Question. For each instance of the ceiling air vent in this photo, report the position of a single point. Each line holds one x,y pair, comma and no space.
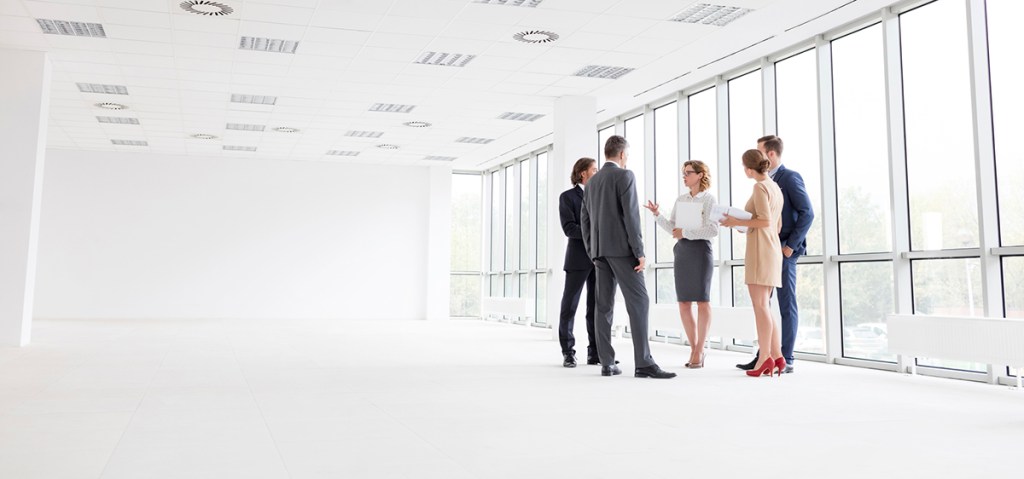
387,146
204,136
268,45
444,59
475,141
238,148
601,71
511,3
417,124
440,158
130,142
392,108
245,127
342,153
206,7
75,29
118,120
98,88
519,116
536,36
112,106
707,14
364,134
286,129
254,99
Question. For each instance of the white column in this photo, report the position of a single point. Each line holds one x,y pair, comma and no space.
439,243
575,135
25,96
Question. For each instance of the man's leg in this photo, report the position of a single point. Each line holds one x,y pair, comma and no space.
787,307
574,281
634,291
605,304
591,300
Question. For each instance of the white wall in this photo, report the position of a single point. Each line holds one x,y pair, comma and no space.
134,235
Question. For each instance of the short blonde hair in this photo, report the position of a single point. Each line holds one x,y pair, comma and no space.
700,167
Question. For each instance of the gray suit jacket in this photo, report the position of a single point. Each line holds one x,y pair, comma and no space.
610,216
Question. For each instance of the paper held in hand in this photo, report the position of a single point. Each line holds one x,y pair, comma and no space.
717,212
689,216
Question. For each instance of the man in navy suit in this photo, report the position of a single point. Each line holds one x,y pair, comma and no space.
579,268
797,216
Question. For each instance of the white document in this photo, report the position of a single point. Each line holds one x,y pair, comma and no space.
689,215
718,212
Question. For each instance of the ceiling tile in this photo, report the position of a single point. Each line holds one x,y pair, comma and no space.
134,18
263,12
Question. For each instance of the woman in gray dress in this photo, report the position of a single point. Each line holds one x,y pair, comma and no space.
694,263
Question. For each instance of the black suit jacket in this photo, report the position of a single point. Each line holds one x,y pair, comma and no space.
569,204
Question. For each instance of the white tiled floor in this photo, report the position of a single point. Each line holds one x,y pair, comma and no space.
462,399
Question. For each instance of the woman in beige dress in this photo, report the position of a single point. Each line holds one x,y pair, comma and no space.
763,260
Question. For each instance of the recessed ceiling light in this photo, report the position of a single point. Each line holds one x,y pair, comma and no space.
392,108
130,142
238,148
387,146
268,44
112,106
342,153
98,88
245,127
286,129
364,134
475,141
117,120
206,7
254,99
536,36
417,124
204,136
440,158
601,71
75,29
708,14
511,3
444,59
510,115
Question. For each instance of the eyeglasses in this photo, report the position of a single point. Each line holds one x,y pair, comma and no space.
689,172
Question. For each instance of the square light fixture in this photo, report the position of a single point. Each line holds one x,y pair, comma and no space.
342,153
245,127
444,59
130,142
253,99
392,108
117,120
260,44
75,29
602,71
709,14
238,148
440,158
364,134
98,88
510,115
475,141
511,3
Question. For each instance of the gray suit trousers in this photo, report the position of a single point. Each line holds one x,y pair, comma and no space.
612,271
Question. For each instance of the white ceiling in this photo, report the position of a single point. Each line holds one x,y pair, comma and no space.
181,69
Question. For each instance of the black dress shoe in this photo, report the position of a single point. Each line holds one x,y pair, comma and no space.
569,360
653,371
748,366
592,361
612,370
789,369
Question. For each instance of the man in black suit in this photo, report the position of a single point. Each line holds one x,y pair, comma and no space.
610,223
579,269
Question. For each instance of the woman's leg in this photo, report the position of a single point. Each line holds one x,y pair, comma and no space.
690,327
759,295
703,323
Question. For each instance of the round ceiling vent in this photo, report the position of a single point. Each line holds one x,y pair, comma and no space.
112,106
206,7
387,146
204,136
536,36
417,124
286,129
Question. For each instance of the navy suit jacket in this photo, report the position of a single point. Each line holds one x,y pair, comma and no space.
569,205
797,213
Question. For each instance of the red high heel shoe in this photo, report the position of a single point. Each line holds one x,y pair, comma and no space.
780,365
765,369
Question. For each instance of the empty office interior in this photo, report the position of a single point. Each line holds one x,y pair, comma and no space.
321,238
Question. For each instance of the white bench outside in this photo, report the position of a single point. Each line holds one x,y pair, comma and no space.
994,341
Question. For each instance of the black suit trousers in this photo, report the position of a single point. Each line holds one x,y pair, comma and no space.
574,282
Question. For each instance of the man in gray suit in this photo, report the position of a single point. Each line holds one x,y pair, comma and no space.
610,223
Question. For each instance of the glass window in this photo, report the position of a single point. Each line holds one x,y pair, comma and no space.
665,285
862,154
633,131
1013,286
524,215
666,170
1007,103
465,295
542,210
602,137
810,301
939,129
703,141
796,81
497,231
542,299
746,125
866,297
948,287
510,220
741,298
467,226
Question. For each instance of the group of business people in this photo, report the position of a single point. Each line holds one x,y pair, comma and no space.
601,217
